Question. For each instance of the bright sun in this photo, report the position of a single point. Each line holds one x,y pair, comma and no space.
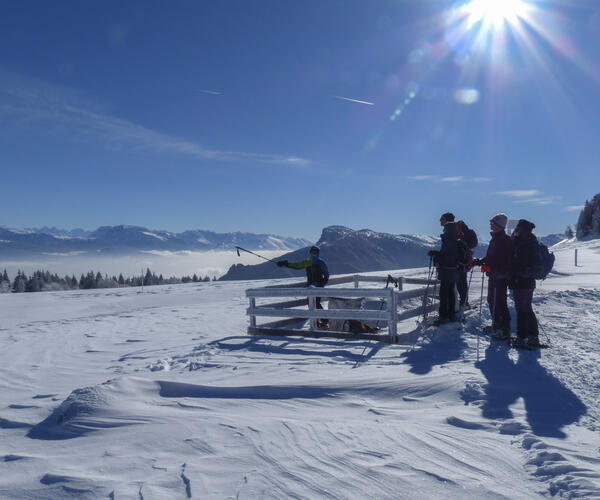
495,12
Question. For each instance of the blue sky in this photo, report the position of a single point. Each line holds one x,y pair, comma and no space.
287,116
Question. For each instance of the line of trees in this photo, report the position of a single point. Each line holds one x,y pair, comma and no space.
44,281
588,223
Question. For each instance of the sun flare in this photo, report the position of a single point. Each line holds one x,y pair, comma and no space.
495,12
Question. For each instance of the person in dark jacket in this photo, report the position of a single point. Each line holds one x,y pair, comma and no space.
498,259
446,261
317,274
464,265
523,282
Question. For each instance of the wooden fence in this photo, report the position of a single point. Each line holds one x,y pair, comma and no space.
295,314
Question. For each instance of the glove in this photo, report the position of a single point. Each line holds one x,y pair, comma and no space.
433,253
282,263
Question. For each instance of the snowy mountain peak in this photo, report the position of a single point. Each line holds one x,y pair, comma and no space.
128,238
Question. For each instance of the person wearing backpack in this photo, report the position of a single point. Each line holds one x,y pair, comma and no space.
446,261
523,282
317,275
498,259
467,240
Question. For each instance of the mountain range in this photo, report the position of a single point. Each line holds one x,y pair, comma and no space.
349,251
127,239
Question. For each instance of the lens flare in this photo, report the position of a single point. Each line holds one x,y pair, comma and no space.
495,12
466,96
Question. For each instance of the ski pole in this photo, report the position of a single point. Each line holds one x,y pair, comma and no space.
387,283
427,289
244,250
544,332
469,284
481,298
480,304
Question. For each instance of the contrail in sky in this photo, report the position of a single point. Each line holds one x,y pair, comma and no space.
213,92
353,100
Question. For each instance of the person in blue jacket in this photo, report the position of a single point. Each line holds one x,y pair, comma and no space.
317,273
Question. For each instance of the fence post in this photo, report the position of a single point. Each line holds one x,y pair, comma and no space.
575,257
400,284
312,306
355,277
252,316
393,312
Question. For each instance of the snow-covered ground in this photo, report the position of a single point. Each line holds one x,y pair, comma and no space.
159,393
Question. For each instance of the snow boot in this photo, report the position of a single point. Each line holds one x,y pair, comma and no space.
501,334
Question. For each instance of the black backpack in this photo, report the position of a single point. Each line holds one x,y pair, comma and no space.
465,233
466,240
544,261
465,254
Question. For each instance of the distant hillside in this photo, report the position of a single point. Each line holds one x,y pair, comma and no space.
126,239
551,239
348,251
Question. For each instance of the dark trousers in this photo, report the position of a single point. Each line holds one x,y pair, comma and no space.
462,286
527,325
497,302
448,278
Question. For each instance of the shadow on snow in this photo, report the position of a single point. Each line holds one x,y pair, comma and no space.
445,346
301,347
548,403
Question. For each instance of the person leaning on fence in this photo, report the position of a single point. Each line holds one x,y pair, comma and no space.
317,274
498,259
446,261
523,282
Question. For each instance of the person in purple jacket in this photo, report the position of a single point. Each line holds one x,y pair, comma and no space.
499,259
523,282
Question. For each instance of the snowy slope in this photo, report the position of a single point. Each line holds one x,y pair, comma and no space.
160,394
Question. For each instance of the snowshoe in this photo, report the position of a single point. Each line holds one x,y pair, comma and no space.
528,343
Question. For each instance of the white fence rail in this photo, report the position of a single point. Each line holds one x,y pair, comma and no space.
388,313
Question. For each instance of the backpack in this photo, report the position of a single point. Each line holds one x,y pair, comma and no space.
544,262
466,240
465,255
465,233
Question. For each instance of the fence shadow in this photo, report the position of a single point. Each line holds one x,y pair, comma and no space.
301,346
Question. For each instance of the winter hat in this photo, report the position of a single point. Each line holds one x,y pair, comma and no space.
525,225
449,216
500,220
314,249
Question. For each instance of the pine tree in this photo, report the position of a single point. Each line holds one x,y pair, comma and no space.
569,232
584,222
